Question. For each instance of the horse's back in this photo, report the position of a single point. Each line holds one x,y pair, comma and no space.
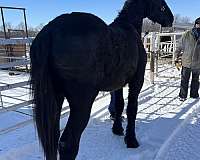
76,23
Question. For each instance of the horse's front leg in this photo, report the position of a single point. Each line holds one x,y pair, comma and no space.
132,107
135,87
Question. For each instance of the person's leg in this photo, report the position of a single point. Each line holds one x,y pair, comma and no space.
194,84
185,76
119,107
119,100
111,107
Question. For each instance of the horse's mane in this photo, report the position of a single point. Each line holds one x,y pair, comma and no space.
126,9
129,14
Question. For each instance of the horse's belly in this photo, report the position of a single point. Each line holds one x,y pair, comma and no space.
110,85
117,78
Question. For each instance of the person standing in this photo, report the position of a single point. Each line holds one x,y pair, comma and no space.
189,51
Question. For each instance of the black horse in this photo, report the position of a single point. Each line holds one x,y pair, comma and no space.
77,55
117,101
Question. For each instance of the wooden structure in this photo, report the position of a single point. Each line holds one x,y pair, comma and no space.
9,51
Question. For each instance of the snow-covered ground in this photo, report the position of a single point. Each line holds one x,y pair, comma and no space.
167,129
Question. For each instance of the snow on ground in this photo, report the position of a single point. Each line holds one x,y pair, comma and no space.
183,144
167,129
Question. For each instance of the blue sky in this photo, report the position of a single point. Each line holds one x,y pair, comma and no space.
42,11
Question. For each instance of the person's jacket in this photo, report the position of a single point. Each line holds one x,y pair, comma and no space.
190,48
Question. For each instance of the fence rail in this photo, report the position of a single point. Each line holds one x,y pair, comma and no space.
4,41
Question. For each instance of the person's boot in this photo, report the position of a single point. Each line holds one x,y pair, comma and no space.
117,127
195,96
182,99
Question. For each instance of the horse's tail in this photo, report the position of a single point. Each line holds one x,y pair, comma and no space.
46,111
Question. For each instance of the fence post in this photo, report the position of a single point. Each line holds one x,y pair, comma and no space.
174,47
1,100
152,57
152,67
157,51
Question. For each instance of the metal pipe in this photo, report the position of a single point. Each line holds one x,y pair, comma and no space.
13,8
26,27
4,26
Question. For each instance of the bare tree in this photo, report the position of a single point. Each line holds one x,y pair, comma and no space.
1,28
186,19
20,26
8,25
179,19
39,27
32,31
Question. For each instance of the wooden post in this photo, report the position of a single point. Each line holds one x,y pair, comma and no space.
25,23
152,67
174,47
157,51
156,61
152,57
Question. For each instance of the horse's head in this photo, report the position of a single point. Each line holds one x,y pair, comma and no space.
159,12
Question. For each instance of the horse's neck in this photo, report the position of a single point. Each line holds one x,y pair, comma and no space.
130,15
138,26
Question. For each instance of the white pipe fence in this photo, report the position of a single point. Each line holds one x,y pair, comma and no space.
158,49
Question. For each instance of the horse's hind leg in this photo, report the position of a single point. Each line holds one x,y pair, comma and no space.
80,98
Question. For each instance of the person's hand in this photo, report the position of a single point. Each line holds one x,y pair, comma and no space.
177,63
198,41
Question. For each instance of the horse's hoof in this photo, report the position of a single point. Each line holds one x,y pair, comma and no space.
117,129
131,142
64,152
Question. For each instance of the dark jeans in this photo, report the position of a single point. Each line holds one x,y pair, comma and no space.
185,77
111,107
